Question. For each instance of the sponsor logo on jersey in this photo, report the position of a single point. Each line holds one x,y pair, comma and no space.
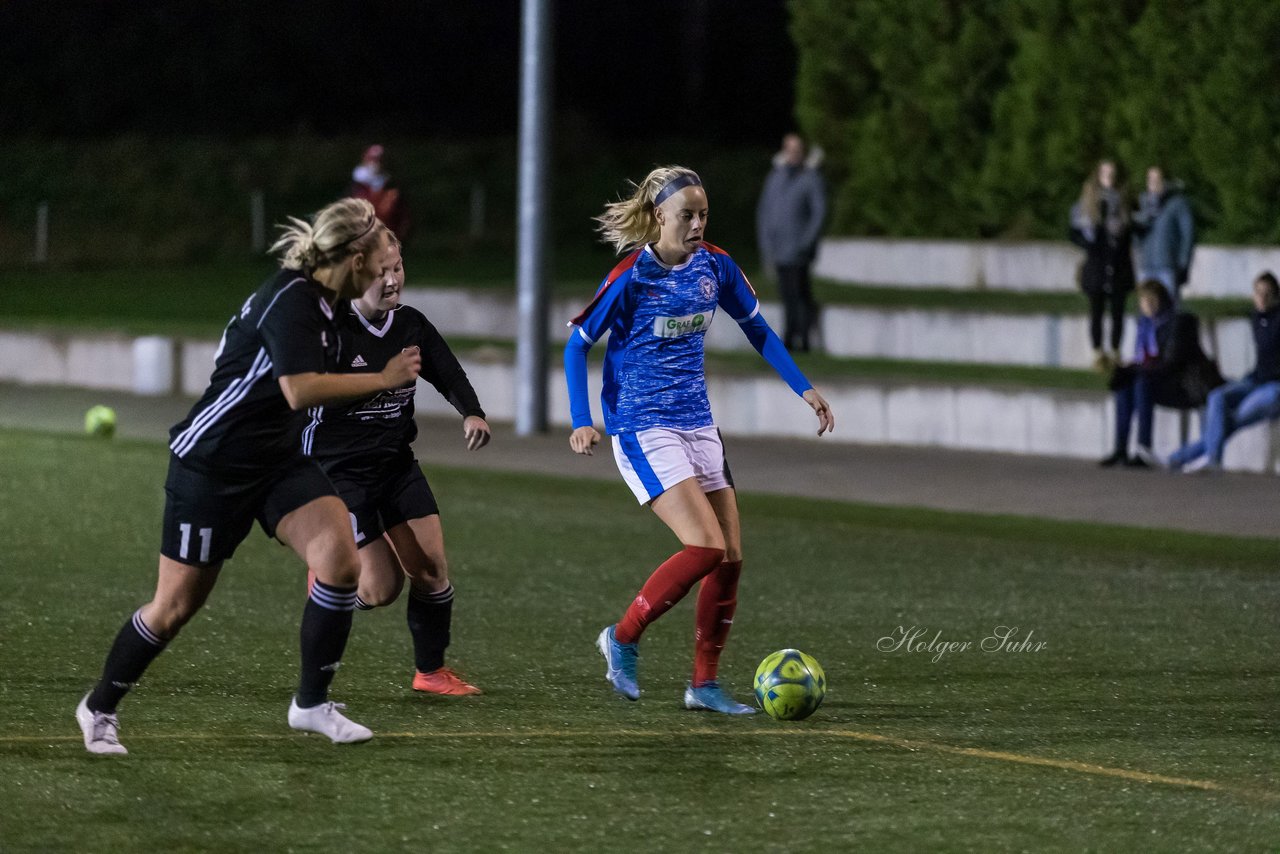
674,327
359,362
385,404
247,307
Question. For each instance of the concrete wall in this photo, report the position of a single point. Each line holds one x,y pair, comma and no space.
944,336
1043,340
961,417
1024,266
970,417
120,363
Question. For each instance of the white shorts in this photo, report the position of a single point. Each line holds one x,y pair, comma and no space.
654,460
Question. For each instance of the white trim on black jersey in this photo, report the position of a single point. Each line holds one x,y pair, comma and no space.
271,304
235,392
309,432
374,330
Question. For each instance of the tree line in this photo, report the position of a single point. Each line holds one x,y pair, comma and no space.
981,118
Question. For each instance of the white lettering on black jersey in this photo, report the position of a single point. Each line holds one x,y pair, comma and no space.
381,427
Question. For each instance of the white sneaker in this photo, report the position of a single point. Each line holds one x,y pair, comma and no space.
1201,465
101,731
327,720
1149,457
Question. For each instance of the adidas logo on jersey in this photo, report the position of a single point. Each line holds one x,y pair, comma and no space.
359,362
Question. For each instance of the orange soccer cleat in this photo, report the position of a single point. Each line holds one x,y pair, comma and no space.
443,681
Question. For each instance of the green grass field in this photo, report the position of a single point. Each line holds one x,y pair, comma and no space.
1147,722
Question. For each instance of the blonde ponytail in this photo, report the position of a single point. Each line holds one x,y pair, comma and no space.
338,230
630,222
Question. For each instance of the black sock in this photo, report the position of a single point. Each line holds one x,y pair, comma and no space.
326,622
429,616
135,647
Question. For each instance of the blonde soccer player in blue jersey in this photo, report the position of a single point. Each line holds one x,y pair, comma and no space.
656,307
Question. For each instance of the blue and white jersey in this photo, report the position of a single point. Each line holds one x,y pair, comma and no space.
657,319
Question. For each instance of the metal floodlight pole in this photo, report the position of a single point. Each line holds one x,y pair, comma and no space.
42,233
531,289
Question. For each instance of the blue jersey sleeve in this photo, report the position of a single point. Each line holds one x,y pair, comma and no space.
739,301
586,329
575,375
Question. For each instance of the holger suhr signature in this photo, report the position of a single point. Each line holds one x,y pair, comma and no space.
918,639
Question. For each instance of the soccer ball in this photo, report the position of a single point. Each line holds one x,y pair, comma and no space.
100,421
790,685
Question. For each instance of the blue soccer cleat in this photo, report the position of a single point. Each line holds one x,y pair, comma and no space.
620,661
710,697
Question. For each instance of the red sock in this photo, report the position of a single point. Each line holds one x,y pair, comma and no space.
717,600
667,586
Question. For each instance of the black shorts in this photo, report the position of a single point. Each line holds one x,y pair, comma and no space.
378,500
207,516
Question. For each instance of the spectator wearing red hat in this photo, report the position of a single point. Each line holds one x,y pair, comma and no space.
370,181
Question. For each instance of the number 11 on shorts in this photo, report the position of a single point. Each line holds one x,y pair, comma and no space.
206,536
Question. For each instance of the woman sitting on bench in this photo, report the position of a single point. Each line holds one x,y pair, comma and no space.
1169,369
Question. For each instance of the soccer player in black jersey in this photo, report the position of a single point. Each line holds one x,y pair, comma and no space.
365,448
237,457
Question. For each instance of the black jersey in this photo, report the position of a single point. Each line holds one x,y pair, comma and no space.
243,424
381,428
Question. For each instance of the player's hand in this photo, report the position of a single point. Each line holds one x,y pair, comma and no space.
403,368
826,420
583,440
476,431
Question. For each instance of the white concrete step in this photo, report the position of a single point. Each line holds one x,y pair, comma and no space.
1043,265
964,416
1044,340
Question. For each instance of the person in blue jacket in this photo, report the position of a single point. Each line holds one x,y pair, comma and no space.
1166,232
656,307
1252,398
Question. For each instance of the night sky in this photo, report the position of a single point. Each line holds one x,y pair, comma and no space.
720,69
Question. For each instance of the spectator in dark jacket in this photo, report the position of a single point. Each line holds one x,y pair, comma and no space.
1254,397
789,219
1169,369
1100,226
1166,233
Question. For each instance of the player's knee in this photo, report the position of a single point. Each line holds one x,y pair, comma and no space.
711,555
338,566
380,592
710,539
166,617
432,572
